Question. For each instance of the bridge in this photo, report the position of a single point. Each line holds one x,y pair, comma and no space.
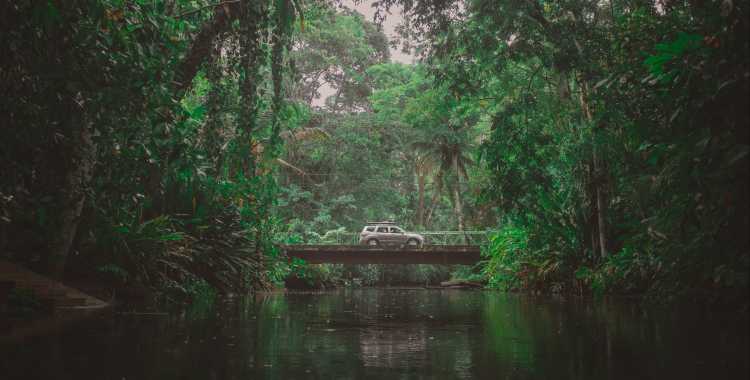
440,248
362,254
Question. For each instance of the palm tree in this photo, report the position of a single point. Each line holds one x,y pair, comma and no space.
422,169
447,153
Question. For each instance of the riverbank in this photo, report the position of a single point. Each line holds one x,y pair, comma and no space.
32,304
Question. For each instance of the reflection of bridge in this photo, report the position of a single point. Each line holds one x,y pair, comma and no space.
362,254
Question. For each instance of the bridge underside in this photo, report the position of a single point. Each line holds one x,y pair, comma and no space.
360,254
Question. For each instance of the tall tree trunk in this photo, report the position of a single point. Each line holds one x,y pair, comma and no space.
431,211
598,173
600,208
213,134
438,181
420,198
251,61
251,28
457,205
420,169
202,44
81,156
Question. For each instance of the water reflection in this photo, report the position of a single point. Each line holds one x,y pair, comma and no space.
380,333
393,348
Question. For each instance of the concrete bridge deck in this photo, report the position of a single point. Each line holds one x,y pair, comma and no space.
362,254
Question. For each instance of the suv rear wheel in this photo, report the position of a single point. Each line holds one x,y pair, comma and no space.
373,242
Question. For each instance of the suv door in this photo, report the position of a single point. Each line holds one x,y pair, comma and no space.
398,235
381,233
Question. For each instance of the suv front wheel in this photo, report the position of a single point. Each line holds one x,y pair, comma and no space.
412,243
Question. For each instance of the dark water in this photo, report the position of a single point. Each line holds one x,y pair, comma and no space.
393,334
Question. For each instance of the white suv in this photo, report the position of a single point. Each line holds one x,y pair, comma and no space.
388,233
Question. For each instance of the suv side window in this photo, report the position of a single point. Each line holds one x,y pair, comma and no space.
383,229
396,230
370,229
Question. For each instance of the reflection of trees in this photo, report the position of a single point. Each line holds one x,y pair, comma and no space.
395,334
458,334
528,337
508,342
534,337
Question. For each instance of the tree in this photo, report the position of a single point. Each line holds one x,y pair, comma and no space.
596,115
334,51
115,129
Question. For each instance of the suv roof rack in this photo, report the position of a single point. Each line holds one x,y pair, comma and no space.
383,222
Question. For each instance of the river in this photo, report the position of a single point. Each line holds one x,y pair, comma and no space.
393,334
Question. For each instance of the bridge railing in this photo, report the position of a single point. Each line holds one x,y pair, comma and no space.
455,237
431,238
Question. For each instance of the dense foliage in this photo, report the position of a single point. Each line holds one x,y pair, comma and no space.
618,148
133,138
170,143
